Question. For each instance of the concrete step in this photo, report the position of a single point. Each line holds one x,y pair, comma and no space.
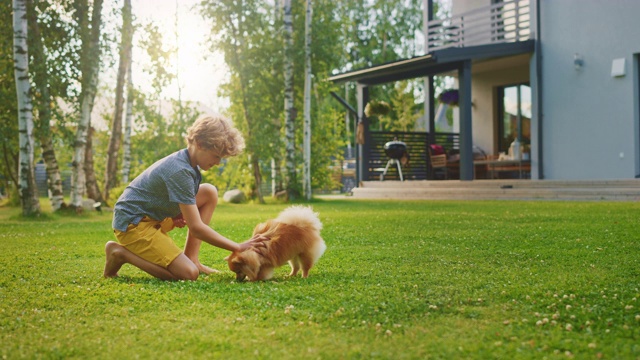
588,190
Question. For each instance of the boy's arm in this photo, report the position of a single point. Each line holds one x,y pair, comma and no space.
203,232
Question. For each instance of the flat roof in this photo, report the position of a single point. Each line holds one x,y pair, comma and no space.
434,63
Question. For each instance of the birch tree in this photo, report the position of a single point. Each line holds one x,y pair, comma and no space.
128,122
26,175
42,82
289,109
90,66
110,176
307,103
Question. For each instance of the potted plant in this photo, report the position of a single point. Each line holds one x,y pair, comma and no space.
377,108
449,97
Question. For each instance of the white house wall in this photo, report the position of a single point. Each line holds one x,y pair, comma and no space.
590,119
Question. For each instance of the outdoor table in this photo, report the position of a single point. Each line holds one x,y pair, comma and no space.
495,166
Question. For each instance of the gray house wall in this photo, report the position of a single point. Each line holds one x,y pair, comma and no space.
590,119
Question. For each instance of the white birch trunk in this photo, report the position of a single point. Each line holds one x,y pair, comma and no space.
126,163
307,103
77,171
91,57
289,110
26,174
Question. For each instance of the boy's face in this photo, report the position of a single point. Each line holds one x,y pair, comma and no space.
208,159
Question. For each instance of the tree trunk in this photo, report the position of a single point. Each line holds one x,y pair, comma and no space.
41,80
307,104
126,162
111,171
289,110
90,64
255,163
26,174
93,190
54,180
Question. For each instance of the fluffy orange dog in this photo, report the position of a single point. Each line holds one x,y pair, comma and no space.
294,236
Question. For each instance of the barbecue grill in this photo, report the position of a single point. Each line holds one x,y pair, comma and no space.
395,150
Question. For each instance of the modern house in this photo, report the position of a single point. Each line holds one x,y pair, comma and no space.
561,77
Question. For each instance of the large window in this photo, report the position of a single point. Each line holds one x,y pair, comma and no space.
514,117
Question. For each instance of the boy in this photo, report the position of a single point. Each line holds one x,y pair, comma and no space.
168,194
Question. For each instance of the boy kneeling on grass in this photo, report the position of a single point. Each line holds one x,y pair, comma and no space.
169,194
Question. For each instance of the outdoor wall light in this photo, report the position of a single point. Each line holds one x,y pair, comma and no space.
577,61
618,68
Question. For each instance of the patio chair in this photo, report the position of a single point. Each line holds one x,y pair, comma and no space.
438,159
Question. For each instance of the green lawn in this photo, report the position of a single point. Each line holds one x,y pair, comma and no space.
414,280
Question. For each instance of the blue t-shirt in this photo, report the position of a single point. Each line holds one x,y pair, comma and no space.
158,191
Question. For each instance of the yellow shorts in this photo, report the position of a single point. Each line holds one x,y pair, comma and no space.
150,241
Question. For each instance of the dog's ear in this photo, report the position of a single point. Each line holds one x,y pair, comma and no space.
227,258
237,261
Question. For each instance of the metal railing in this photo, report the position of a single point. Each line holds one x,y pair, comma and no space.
507,21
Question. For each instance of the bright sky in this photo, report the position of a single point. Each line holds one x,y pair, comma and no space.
200,72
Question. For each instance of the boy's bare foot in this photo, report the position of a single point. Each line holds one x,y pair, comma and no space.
114,260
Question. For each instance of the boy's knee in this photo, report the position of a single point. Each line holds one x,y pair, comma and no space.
191,274
209,191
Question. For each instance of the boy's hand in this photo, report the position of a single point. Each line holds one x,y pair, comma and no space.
256,242
179,221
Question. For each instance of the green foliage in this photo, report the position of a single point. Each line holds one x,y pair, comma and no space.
115,193
328,138
8,107
439,279
374,33
404,110
233,173
157,136
157,55
244,33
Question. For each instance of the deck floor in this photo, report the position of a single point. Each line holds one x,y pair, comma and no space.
585,190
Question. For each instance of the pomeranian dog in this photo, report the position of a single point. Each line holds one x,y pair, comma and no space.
294,237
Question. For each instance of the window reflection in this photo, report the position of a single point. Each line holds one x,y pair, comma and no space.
515,117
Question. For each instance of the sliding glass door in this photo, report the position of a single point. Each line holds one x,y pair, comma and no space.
514,120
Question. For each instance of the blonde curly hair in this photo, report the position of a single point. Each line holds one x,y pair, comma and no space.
216,133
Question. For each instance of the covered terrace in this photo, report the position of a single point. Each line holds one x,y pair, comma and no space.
494,36
458,60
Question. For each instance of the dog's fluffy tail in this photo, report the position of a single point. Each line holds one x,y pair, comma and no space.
299,215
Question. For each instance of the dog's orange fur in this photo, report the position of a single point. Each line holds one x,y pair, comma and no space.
294,237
